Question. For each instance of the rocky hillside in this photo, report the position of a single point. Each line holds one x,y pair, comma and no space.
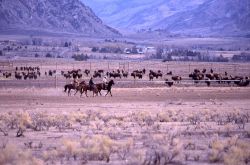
60,16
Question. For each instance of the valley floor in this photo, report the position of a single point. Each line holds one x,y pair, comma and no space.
179,125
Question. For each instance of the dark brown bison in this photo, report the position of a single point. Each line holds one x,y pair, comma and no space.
176,78
153,74
169,83
137,74
170,73
97,74
87,72
124,74
245,82
114,75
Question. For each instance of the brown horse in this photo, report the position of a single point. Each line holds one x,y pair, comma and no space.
70,87
85,87
107,87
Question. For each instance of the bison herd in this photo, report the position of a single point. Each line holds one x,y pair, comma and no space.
27,73
197,76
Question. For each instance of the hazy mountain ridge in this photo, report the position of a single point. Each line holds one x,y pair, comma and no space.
137,14
196,17
69,16
215,17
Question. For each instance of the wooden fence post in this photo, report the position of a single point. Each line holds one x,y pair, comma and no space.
56,77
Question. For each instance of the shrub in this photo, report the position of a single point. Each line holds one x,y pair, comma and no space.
7,155
94,49
231,151
78,117
24,120
241,57
163,117
37,41
234,156
50,155
3,128
104,50
161,156
238,153
159,53
12,155
124,148
70,148
81,57
97,147
66,44
48,55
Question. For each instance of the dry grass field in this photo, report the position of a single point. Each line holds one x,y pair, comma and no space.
143,123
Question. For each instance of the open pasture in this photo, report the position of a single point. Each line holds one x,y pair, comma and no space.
57,66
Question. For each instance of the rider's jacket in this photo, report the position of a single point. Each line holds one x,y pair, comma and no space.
91,82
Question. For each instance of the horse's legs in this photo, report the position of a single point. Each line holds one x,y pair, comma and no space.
76,92
107,93
95,93
81,92
86,93
68,91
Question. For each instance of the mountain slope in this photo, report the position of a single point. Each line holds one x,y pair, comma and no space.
195,17
68,16
214,17
137,14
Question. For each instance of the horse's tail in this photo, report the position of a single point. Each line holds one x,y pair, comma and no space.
65,87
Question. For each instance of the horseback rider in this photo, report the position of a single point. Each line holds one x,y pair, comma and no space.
105,81
91,83
76,82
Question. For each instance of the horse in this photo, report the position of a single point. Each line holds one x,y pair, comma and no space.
85,87
108,87
70,87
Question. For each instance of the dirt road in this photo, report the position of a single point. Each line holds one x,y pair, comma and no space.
53,99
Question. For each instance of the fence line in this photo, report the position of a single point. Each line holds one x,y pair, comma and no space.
130,65
61,83
178,68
